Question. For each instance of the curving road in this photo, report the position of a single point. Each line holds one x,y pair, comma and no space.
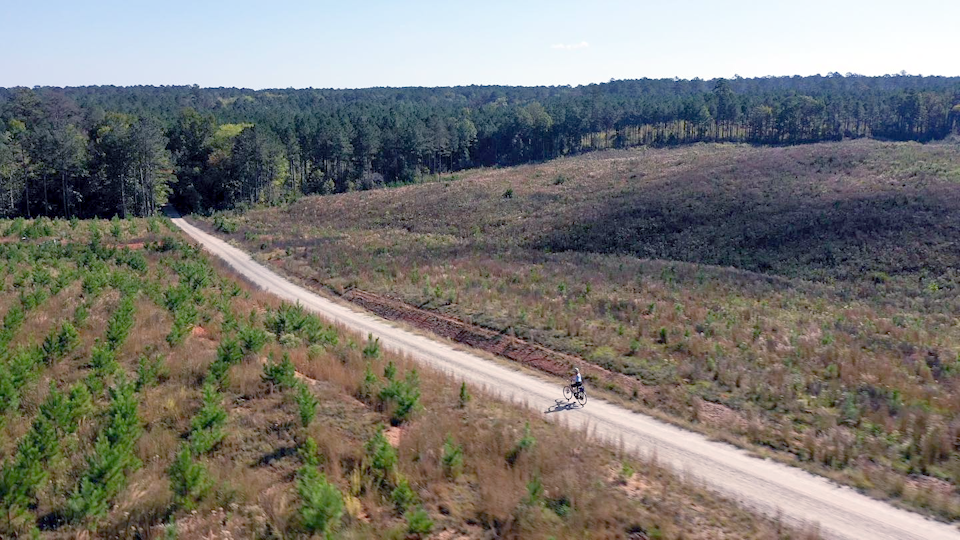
801,499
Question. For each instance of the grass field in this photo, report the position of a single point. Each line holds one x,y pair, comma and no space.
144,393
800,300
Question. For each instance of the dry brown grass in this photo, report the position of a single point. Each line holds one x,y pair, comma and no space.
253,469
810,290
246,379
170,406
158,443
151,326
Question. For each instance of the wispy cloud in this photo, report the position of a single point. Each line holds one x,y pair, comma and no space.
570,46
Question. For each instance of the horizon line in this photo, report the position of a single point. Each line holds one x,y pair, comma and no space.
735,77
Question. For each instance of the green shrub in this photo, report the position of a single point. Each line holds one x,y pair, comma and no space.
195,274
150,371
287,319
419,523
134,259
16,227
103,360
281,375
524,445
321,506
167,243
115,229
229,353
372,348
464,395
316,333
113,458
534,492
184,318
223,224
33,300
80,314
207,425
370,386
403,397
38,228
177,297
560,506
41,277
307,404
11,323
61,281
95,236
189,480
310,453
56,408
253,339
452,458
382,458
403,496
58,344
390,371
23,365
289,340
662,338
9,393
94,281
20,280
81,404
23,475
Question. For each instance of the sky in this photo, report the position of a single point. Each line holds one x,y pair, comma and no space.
360,44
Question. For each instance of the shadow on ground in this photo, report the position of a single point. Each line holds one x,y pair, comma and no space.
562,405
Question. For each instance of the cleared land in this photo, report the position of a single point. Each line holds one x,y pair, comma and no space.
145,393
797,300
787,494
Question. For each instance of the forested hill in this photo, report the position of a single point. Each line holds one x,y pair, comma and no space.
125,150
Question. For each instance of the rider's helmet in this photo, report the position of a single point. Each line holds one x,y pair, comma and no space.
576,370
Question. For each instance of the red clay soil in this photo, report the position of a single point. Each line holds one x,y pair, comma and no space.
200,332
518,350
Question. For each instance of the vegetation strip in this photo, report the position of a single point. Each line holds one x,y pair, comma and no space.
259,420
695,454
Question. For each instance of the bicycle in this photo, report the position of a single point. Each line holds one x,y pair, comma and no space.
580,393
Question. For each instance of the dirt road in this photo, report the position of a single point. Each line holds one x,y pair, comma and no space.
799,498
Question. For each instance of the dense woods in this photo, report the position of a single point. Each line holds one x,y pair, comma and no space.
103,151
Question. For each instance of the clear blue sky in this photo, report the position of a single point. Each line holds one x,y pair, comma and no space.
416,43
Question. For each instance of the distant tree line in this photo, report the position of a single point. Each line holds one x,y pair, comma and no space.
128,150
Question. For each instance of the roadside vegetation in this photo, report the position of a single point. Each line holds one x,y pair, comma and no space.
144,393
800,300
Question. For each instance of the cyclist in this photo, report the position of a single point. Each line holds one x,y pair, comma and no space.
577,384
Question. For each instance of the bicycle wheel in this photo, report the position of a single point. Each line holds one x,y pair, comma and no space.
582,398
567,393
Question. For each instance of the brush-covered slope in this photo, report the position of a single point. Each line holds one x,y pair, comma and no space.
144,393
798,298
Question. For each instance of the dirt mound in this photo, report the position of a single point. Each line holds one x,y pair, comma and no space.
501,344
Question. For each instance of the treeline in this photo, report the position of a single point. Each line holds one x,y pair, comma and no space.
126,151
